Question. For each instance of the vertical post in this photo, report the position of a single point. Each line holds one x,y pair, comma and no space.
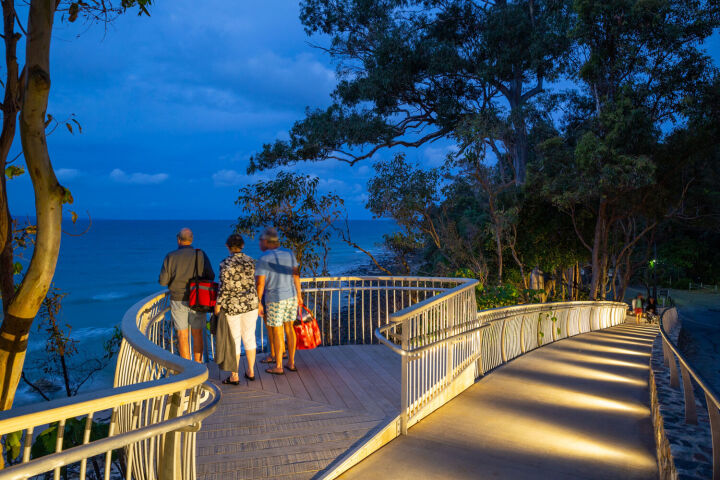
690,415
714,415
405,364
502,342
169,459
674,381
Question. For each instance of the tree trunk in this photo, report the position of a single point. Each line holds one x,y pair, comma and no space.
49,196
10,108
598,241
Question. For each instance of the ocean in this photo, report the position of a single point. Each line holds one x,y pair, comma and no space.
116,263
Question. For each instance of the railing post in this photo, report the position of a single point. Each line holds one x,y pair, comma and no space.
405,364
169,459
674,381
690,414
714,415
502,342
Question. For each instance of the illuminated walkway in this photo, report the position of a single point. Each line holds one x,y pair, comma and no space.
575,409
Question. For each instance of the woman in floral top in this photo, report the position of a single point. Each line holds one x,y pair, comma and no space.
237,297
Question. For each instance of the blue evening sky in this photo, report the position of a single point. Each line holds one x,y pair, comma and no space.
173,105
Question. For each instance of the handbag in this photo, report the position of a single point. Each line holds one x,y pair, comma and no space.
203,293
306,329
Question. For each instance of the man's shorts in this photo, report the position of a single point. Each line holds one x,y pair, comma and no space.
278,313
183,316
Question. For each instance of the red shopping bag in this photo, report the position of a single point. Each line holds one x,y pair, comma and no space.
306,329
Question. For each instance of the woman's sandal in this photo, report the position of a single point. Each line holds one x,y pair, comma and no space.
252,379
292,369
273,371
227,381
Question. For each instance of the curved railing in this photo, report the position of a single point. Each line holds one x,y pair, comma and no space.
348,309
157,405
672,356
445,345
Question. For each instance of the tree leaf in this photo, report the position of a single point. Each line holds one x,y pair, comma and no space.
73,217
13,171
13,444
69,127
73,11
67,196
17,268
78,125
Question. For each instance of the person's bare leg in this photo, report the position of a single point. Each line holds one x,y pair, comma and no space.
277,333
292,343
197,336
270,340
183,343
250,356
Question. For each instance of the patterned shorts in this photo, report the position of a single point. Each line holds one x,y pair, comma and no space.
277,313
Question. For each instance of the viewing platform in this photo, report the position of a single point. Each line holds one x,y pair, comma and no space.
411,382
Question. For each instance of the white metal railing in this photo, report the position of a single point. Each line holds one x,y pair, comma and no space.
157,405
672,357
349,309
445,345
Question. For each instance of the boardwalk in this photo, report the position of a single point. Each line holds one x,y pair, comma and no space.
575,409
295,425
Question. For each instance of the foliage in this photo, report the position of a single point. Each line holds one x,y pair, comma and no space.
291,203
625,156
62,358
416,71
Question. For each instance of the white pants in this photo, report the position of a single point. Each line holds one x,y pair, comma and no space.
242,327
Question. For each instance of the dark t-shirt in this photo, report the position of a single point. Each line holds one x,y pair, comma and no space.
179,267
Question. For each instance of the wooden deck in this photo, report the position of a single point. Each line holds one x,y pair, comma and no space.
293,426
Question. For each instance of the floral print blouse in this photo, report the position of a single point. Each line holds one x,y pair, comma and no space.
237,293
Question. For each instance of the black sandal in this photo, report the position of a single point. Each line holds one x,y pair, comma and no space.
272,372
292,369
252,379
227,381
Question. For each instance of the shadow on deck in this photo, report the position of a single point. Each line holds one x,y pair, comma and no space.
294,425
575,409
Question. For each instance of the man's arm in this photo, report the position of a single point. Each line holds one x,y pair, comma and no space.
260,287
296,280
165,276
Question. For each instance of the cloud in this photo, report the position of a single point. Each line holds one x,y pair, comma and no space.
65,174
436,156
228,178
138,178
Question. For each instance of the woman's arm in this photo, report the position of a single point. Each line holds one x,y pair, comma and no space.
260,287
296,280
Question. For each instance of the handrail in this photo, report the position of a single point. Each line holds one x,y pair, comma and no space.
149,381
712,399
440,340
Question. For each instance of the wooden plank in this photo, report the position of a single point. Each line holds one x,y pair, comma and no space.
339,364
305,373
296,384
267,380
328,367
382,383
368,356
367,387
326,386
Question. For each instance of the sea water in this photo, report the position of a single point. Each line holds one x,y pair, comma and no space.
116,263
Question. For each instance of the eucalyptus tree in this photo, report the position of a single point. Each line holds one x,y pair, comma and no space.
26,93
412,71
636,64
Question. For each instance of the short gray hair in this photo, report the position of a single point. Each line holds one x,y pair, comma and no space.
185,235
270,235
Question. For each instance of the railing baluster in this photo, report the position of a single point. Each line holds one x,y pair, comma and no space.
690,414
714,415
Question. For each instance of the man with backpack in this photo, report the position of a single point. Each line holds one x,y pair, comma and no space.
178,268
